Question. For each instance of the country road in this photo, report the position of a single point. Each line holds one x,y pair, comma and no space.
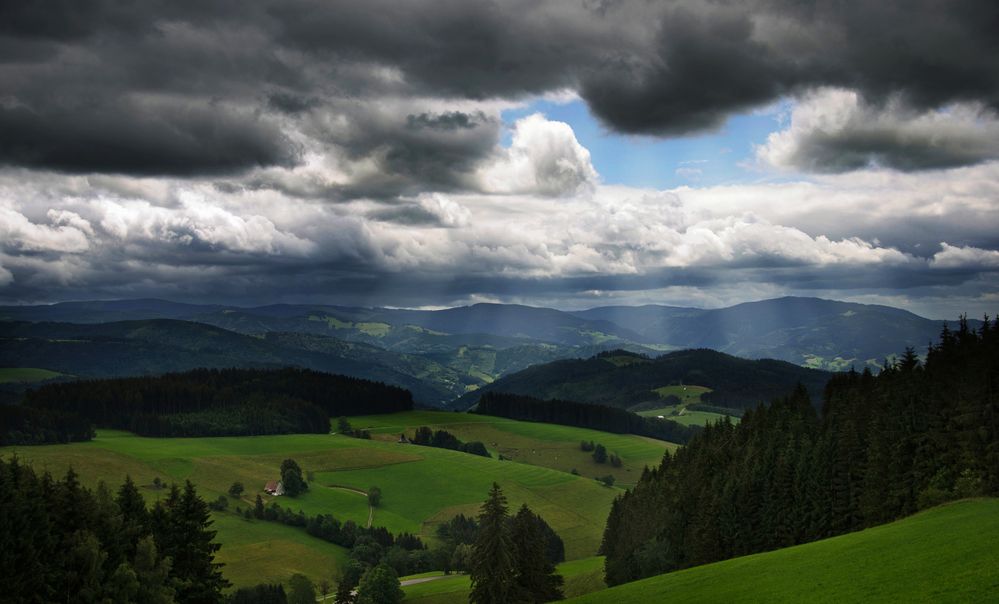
401,583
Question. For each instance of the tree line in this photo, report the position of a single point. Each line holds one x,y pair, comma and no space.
63,542
582,415
219,402
442,439
509,562
21,425
882,447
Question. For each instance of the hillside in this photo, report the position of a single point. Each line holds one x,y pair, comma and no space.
812,332
127,348
421,486
818,333
946,554
625,380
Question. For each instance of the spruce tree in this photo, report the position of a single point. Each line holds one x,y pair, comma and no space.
188,542
493,571
536,580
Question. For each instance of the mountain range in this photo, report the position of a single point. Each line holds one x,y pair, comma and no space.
440,355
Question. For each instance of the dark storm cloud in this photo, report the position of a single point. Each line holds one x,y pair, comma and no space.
140,140
453,120
646,68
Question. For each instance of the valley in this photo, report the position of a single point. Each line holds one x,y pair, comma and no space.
421,485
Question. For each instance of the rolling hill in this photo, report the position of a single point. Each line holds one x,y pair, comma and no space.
622,379
946,554
127,348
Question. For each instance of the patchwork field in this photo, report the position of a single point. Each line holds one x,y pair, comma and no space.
421,486
946,554
546,445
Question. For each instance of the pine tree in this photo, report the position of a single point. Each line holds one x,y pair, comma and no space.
536,580
493,571
344,593
187,540
134,515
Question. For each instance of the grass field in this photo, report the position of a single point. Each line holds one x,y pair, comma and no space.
421,486
947,554
581,577
687,394
682,415
546,445
26,374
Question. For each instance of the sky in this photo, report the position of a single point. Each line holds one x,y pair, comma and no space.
434,153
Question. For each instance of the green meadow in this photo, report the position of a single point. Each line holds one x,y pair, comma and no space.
681,413
26,374
687,394
547,445
421,486
946,554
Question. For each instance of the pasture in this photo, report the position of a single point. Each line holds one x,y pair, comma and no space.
945,554
546,445
421,486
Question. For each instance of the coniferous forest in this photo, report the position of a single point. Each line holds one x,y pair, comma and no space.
65,543
582,415
216,402
882,447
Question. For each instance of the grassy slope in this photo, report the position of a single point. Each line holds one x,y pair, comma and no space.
421,487
25,374
534,443
946,554
581,577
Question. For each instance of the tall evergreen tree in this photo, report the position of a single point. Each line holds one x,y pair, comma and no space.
493,571
188,540
536,580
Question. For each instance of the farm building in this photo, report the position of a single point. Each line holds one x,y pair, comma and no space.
274,487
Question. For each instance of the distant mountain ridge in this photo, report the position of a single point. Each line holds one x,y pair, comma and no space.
812,332
443,354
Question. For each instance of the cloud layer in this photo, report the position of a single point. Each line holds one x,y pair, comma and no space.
185,88
357,152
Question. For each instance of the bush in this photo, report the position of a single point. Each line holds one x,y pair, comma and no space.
374,496
236,490
600,454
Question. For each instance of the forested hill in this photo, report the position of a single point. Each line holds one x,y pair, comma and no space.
220,402
882,447
623,379
155,346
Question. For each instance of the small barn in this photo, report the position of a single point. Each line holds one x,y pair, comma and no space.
274,487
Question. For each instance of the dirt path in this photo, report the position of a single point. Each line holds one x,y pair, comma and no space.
401,583
426,579
371,510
